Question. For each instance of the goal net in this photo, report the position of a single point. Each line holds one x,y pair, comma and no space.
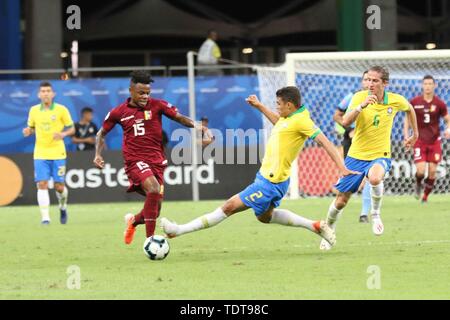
325,79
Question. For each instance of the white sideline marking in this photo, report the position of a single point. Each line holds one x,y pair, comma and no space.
390,243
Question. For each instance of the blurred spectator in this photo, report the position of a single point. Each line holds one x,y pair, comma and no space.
209,55
85,131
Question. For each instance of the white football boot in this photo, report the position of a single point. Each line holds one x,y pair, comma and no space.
169,228
377,225
328,235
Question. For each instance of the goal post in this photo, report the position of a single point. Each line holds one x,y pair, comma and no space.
325,78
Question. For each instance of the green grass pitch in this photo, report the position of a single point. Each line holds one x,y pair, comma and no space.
239,259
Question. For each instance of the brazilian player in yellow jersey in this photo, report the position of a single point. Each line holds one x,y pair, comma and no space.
293,126
48,120
374,112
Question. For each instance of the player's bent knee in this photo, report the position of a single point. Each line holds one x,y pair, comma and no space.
150,186
228,208
341,202
264,218
374,181
42,185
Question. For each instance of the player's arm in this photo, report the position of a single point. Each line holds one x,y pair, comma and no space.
338,116
406,127
272,116
411,140
29,130
99,146
189,123
351,116
110,121
68,123
66,133
323,141
342,107
183,120
447,126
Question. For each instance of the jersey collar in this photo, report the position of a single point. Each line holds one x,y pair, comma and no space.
385,97
299,110
52,107
139,107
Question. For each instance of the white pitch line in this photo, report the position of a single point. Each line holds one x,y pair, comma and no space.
397,243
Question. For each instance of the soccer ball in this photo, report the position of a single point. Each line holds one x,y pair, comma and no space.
156,247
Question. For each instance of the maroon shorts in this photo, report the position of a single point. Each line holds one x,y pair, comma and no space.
138,171
424,152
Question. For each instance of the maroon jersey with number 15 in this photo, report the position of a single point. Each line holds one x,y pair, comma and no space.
428,114
142,130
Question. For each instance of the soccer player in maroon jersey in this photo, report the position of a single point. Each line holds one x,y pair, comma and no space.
142,147
427,150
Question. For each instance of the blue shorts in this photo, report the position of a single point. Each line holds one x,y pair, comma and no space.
45,169
262,194
351,183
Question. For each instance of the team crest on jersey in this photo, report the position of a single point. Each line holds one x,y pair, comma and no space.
147,114
53,117
433,108
389,110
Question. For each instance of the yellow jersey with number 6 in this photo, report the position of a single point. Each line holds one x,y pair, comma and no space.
46,122
373,128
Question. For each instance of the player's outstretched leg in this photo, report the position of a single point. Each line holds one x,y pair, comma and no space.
288,218
231,206
62,194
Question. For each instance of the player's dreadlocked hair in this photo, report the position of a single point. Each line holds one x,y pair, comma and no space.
141,76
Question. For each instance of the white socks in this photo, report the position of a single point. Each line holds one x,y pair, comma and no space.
288,218
206,221
376,193
62,198
44,203
43,198
333,215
